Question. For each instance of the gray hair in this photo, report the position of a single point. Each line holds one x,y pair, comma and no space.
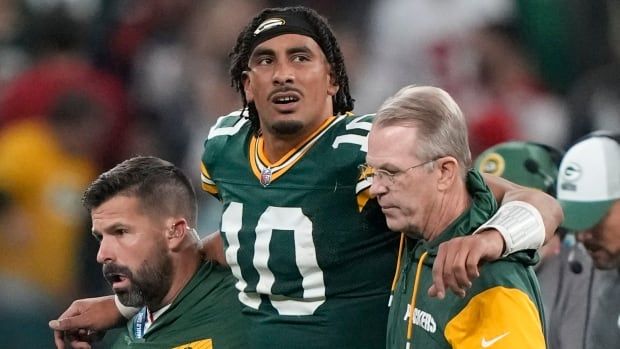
441,126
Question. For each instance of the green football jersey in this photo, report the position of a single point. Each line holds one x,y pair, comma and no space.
312,254
205,315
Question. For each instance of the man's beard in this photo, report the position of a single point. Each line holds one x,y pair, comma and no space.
148,286
287,127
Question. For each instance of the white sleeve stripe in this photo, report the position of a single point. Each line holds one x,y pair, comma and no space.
362,141
362,185
206,180
356,124
226,131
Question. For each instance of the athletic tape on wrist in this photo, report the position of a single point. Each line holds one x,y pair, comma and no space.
520,224
127,312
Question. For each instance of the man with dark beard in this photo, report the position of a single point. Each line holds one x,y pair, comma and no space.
143,212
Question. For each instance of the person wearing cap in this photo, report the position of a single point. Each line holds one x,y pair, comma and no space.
309,248
589,192
563,268
433,197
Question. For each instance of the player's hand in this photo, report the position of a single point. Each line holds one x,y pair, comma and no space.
80,339
85,322
458,260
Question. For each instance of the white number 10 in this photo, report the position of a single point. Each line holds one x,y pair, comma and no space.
278,219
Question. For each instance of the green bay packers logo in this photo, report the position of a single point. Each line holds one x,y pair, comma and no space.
572,172
268,24
492,163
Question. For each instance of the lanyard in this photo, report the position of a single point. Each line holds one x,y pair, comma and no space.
139,323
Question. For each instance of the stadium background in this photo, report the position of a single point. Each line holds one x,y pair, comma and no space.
87,83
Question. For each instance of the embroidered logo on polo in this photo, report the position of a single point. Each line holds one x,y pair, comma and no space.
422,319
487,343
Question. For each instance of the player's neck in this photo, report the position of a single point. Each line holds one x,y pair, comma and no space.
275,148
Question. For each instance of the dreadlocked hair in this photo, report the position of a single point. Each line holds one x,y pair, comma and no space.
240,56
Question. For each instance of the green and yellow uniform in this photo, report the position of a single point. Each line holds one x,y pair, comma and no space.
205,315
312,255
502,309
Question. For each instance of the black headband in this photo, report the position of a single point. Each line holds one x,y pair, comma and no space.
280,24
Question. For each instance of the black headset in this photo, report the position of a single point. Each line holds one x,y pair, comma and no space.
533,167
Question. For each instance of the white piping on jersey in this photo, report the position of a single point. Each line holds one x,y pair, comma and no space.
227,131
362,185
206,180
299,153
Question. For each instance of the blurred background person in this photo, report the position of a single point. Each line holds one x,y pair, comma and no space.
589,192
45,165
56,42
564,270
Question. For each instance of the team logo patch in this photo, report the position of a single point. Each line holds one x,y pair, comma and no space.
493,164
268,24
265,177
572,172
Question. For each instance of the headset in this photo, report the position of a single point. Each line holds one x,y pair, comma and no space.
532,166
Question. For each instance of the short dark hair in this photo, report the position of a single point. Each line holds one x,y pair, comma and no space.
240,57
161,187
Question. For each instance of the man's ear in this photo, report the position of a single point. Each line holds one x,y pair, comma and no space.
449,172
249,96
177,234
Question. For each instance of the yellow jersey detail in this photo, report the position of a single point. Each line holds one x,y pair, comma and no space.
207,183
362,198
201,344
498,318
259,161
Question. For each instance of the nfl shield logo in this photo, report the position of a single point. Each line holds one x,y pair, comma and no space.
265,177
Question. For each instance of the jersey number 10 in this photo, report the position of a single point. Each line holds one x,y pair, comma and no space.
289,219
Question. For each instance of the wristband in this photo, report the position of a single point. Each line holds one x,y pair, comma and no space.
127,312
520,225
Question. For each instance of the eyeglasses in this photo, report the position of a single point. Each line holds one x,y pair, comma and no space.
370,173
